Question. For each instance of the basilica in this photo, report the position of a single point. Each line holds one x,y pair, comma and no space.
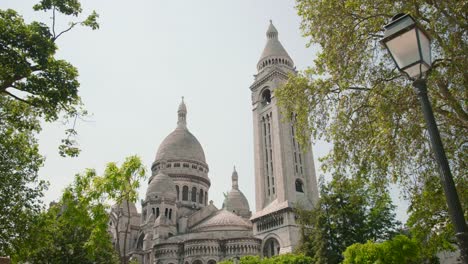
178,224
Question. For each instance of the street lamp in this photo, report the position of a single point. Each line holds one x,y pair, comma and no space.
410,48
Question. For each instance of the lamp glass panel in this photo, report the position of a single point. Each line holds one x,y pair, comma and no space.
425,47
404,48
415,70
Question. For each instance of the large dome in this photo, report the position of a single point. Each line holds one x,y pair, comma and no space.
181,144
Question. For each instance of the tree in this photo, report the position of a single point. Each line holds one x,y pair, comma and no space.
74,230
120,185
34,86
280,259
355,98
349,211
398,250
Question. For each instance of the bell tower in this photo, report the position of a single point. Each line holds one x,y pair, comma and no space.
284,170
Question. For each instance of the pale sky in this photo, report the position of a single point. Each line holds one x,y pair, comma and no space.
145,56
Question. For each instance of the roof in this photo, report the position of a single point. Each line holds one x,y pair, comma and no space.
273,47
223,220
272,207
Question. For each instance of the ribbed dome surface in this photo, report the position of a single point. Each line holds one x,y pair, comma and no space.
162,186
223,220
181,144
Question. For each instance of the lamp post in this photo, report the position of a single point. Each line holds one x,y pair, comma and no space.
410,48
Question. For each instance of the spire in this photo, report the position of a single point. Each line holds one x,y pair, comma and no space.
272,33
182,114
235,179
274,53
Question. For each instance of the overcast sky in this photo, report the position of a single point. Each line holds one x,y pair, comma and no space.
145,56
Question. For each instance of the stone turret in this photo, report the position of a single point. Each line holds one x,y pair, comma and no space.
235,200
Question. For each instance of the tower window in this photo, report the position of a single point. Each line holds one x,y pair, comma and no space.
194,194
266,96
186,165
177,191
185,193
200,197
157,212
299,186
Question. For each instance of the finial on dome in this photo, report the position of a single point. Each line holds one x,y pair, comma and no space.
272,33
235,179
182,114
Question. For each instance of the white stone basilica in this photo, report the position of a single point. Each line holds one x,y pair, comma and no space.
178,223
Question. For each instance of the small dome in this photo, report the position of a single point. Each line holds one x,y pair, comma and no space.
224,220
236,201
162,186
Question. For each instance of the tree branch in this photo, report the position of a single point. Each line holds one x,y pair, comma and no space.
19,98
73,24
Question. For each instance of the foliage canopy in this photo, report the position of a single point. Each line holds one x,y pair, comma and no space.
349,211
34,86
354,97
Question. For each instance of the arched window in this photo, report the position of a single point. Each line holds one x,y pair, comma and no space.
271,248
170,213
157,212
140,241
211,261
200,197
185,193
153,210
266,96
299,186
166,212
177,191
194,194
206,198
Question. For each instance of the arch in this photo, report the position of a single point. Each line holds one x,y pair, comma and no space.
197,262
266,96
166,212
299,186
206,197
139,244
194,194
177,191
200,197
271,247
211,261
185,193
157,212
170,213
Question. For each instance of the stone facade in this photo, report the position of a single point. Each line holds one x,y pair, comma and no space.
179,226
